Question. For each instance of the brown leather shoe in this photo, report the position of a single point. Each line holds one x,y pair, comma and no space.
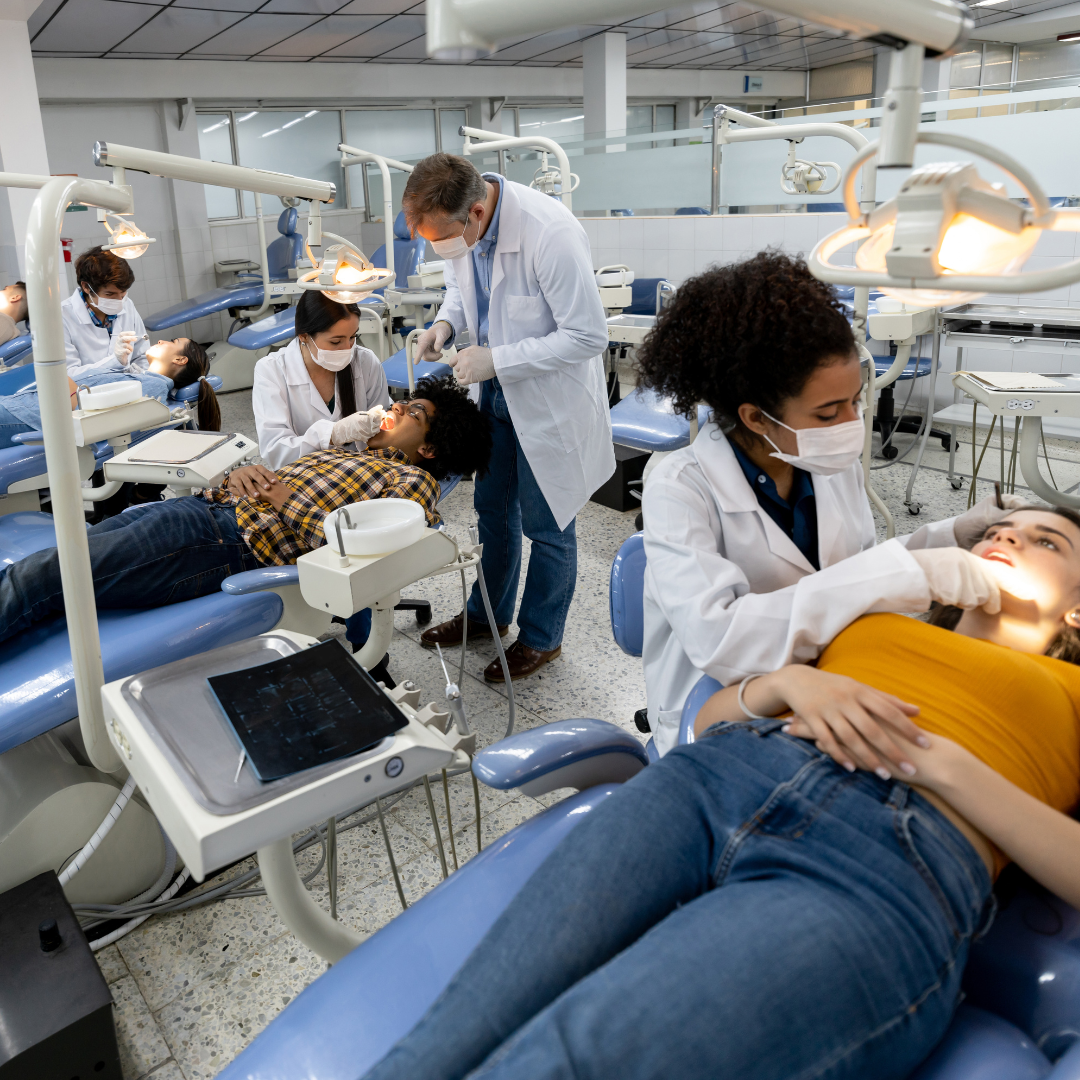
522,662
449,632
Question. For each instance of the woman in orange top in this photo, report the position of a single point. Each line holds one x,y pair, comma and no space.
757,908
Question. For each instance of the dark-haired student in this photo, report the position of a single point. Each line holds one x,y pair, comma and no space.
759,537
102,330
165,552
304,395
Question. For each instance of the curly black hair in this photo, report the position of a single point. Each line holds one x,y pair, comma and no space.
459,431
750,332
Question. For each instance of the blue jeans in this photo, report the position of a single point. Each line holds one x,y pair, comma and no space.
509,501
10,425
743,908
155,554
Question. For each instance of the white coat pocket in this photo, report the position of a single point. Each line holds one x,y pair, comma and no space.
528,316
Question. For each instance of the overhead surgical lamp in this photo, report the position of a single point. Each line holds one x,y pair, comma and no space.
799,177
548,179
126,239
344,273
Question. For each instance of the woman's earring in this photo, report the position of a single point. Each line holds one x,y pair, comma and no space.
1072,619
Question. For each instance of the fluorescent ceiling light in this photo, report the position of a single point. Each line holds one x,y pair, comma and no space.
241,119
987,3
265,133
548,123
214,127
312,113
1074,36
291,122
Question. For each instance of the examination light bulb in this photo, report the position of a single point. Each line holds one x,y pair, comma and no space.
351,270
126,239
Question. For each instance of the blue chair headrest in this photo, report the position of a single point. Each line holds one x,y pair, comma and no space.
286,222
401,230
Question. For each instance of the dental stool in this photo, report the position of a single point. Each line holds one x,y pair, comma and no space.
885,421
1014,1022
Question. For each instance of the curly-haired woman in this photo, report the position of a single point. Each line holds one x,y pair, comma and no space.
759,537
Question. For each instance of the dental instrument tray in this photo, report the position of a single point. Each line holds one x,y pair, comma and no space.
300,711
1015,393
1012,326
184,459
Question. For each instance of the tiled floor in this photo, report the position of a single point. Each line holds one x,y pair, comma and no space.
192,989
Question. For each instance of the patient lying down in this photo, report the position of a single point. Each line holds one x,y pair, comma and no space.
795,895
164,552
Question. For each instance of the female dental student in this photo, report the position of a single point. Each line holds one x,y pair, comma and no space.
759,539
319,390
102,329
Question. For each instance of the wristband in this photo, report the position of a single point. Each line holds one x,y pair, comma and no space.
742,704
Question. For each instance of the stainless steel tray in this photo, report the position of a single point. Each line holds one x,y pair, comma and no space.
176,706
1018,315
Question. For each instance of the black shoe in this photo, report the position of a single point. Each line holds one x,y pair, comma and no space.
641,721
379,672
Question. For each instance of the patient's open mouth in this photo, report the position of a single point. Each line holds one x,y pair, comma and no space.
998,556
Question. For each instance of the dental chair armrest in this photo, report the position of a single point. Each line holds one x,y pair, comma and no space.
266,577
28,438
566,754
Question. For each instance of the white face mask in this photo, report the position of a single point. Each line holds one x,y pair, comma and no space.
823,450
331,359
105,305
455,247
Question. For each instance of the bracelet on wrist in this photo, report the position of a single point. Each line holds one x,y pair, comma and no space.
742,704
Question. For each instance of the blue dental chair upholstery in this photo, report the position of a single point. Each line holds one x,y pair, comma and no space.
691,211
282,255
408,254
645,421
16,350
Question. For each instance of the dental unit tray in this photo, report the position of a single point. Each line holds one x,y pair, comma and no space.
174,738
185,459
1030,395
630,329
302,711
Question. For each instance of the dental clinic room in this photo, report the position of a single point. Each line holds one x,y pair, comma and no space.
540,541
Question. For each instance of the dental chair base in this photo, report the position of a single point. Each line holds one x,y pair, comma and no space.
51,800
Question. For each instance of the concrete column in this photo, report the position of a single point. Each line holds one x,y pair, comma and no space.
485,114
22,137
604,84
937,76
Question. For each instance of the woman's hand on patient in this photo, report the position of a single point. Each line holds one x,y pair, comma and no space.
251,481
856,725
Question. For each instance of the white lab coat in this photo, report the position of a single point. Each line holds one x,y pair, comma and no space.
547,332
727,592
89,347
291,417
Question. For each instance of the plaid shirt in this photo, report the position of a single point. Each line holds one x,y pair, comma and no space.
322,482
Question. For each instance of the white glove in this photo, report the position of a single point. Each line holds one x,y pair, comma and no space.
959,579
123,343
473,365
359,427
969,527
429,345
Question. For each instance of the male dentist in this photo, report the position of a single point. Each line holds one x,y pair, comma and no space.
519,275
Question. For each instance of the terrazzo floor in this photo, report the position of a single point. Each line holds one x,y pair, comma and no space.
192,989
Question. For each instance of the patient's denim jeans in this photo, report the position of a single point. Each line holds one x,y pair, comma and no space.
150,555
509,501
742,909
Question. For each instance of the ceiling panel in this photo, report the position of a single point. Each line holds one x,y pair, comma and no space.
327,34
389,34
253,34
175,30
92,25
708,35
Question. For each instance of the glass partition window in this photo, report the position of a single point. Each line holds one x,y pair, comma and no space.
215,144
405,134
449,122
565,123
300,143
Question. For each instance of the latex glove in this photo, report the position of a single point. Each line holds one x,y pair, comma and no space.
970,526
429,345
123,343
959,579
473,365
359,427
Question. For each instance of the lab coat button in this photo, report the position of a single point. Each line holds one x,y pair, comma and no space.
762,478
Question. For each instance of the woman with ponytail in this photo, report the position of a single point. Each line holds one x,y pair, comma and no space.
317,391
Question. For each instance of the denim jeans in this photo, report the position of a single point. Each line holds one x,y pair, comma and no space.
743,908
509,501
151,555
10,425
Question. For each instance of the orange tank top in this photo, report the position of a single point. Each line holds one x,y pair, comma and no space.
1017,712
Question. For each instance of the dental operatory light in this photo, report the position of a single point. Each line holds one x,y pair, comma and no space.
126,239
799,177
344,273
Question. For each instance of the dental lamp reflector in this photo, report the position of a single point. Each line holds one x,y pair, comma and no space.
344,273
126,239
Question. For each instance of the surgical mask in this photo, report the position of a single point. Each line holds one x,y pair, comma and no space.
823,451
331,359
105,305
455,247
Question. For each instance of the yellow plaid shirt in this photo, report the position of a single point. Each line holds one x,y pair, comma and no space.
322,482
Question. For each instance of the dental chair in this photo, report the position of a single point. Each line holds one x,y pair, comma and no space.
1021,1014
15,351
408,254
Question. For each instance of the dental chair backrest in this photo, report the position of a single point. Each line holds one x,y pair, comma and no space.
408,253
644,293
626,595
284,253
